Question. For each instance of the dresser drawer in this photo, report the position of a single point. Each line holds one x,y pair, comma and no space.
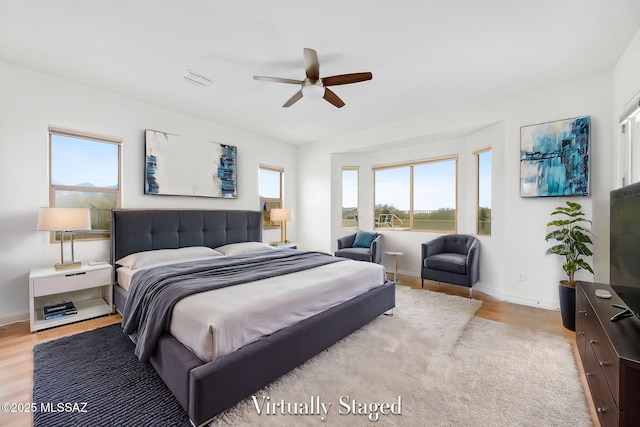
71,282
608,361
606,408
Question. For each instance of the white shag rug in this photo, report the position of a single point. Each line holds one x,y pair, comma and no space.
430,364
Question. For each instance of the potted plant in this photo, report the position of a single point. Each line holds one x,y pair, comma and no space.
573,244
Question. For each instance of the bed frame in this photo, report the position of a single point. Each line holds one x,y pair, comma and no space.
206,389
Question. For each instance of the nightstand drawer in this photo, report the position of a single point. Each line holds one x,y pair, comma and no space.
71,282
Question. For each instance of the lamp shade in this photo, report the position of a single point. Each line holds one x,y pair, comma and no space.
280,214
64,219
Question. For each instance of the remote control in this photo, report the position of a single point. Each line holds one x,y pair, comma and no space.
602,293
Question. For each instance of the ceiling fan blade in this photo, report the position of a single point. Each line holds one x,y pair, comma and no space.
333,98
345,79
311,64
278,80
295,98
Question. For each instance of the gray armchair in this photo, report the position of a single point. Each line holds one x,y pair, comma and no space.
452,258
372,253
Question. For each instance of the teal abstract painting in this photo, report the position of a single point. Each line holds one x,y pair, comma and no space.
554,158
182,167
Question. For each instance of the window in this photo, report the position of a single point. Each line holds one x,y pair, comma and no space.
417,196
483,199
85,173
350,198
630,146
270,194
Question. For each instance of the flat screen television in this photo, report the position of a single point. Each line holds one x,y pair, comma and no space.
625,245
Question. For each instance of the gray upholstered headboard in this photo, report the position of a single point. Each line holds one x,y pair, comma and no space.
137,230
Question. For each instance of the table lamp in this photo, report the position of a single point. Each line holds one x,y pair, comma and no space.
64,220
282,215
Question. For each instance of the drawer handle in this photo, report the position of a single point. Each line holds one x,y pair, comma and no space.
601,363
582,312
75,274
593,341
581,333
601,410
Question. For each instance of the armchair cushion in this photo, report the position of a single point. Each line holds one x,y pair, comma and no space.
359,254
452,262
364,239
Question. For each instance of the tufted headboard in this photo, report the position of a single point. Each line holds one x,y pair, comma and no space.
137,230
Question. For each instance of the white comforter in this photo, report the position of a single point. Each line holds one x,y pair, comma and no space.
214,323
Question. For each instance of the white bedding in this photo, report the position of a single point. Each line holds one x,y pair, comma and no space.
125,273
214,323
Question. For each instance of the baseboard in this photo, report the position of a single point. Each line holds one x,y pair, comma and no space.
547,305
488,291
21,317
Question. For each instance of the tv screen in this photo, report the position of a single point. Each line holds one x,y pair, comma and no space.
625,245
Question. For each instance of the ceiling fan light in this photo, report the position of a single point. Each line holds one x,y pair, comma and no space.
313,91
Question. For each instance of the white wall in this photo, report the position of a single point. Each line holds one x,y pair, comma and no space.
514,265
31,101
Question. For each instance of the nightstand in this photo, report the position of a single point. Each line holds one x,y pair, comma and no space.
287,246
88,287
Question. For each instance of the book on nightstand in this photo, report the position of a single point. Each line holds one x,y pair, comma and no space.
58,310
60,314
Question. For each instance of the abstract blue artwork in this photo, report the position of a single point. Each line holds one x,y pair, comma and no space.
180,167
554,158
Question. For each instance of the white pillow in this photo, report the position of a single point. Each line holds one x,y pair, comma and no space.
142,259
244,248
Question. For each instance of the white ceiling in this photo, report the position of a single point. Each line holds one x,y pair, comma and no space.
425,55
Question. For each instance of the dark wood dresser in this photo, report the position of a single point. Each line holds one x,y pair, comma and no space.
610,354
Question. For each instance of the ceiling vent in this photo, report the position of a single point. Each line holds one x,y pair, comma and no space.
196,79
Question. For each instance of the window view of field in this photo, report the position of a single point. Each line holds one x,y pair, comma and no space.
84,174
419,197
484,193
484,221
350,199
270,195
440,220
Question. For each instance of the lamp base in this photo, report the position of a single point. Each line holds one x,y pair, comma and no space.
67,265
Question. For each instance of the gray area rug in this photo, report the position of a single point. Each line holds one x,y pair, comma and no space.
99,368
433,361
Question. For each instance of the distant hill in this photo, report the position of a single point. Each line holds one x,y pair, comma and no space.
87,184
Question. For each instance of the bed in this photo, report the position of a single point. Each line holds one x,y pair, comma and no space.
205,389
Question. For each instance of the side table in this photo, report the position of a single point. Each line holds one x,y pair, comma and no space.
395,256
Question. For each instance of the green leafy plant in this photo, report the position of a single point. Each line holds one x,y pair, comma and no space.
573,239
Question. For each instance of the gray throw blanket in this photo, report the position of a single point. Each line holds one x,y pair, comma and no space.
154,292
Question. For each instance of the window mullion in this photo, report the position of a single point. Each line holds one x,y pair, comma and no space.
411,195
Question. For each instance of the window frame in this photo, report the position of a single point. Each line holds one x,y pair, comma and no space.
272,225
98,234
477,154
411,165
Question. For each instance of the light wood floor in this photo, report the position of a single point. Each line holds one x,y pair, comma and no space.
16,343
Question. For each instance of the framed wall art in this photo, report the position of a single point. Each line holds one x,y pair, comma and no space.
180,167
555,158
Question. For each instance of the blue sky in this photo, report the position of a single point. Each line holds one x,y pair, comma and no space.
269,183
77,161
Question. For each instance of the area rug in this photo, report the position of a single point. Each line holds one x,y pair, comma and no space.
431,363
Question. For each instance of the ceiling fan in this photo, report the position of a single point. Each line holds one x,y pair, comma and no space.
315,87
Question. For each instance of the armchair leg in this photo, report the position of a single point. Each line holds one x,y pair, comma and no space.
470,292
423,283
